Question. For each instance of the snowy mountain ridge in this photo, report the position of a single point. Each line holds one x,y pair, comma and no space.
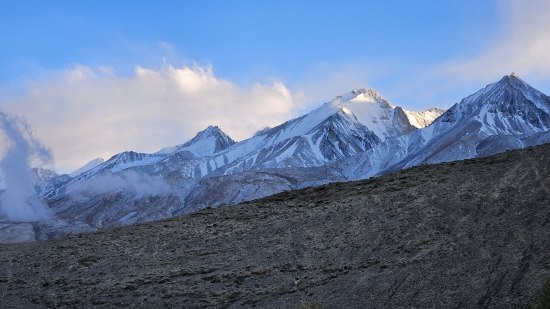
373,117
295,143
356,135
505,115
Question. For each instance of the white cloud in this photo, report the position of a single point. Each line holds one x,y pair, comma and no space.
126,181
85,112
522,45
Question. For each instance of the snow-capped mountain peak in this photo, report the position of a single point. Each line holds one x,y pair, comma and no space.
360,95
498,117
374,112
501,92
508,114
364,105
210,131
207,142
508,107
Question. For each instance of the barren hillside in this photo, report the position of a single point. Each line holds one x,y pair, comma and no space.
468,234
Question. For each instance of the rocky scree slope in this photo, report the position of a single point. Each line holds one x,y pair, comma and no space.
466,234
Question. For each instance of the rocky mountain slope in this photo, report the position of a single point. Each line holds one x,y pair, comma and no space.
466,234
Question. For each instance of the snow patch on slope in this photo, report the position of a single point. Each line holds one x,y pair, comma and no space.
423,118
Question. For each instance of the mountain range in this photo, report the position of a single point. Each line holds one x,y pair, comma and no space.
355,136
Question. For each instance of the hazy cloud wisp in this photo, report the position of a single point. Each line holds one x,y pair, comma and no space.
129,181
19,201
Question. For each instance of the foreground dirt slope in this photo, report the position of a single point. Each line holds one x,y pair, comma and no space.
468,234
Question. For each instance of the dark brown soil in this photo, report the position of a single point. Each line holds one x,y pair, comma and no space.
469,234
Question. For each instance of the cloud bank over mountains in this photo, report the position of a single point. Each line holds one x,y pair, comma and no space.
85,108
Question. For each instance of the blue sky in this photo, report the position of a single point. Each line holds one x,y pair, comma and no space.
146,74
243,40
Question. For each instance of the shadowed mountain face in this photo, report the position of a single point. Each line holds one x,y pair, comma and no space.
466,234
